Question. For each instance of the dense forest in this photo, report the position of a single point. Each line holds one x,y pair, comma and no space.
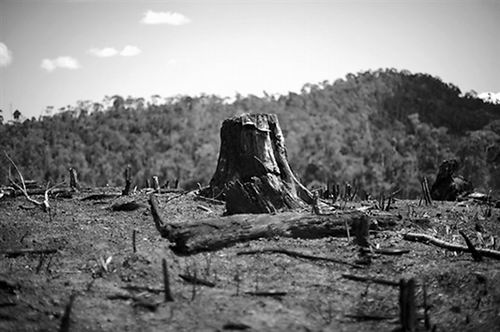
383,130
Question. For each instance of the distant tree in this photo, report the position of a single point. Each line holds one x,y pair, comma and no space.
17,115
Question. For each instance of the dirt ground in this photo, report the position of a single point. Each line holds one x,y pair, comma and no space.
115,289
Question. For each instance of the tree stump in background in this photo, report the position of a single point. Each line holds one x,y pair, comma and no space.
253,174
448,187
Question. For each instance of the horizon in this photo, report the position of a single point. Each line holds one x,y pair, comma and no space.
58,52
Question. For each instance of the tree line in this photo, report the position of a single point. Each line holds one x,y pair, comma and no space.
381,130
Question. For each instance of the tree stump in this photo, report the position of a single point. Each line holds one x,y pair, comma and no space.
253,174
448,187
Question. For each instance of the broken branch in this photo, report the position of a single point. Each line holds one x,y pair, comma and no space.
424,238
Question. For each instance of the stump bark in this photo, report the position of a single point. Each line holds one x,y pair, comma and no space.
253,174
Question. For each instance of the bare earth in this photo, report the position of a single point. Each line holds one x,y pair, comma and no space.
35,289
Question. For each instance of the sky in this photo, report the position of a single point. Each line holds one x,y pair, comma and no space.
56,52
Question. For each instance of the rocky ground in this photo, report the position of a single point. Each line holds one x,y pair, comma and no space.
114,288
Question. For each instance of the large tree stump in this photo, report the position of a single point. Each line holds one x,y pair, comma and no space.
253,174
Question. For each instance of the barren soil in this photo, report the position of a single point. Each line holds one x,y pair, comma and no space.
463,295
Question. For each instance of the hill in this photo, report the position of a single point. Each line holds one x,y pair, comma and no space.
382,129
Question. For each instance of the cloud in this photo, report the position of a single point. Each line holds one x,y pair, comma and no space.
66,62
490,97
107,52
5,55
130,50
103,52
172,18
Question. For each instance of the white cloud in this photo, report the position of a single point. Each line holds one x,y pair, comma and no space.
108,52
172,18
66,62
103,52
5,55
490,97
130,50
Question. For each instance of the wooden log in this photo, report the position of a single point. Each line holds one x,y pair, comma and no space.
215,233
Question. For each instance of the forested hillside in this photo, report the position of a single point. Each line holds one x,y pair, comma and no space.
383,129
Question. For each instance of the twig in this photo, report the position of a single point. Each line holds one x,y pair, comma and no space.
195,280
166,282
155,211
424,238
204,208
156,184
143,289
66,319
73,180
475,254
427,322
365,317
134,248
45,204
267,293
374,280
209,200
297,254
386,251
128,181
408,314
19,252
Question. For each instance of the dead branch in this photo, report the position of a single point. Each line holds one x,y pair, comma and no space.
66,319
297,254
128,181
196,281
166,282
475,254
386,251
267,293
408,313
424,238
73,179
19,252
366,317
45,203
375,280
209,200
138,288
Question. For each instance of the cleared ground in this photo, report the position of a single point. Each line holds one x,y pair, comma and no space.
34,289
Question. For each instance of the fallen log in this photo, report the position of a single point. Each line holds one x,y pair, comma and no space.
424,238
219,232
